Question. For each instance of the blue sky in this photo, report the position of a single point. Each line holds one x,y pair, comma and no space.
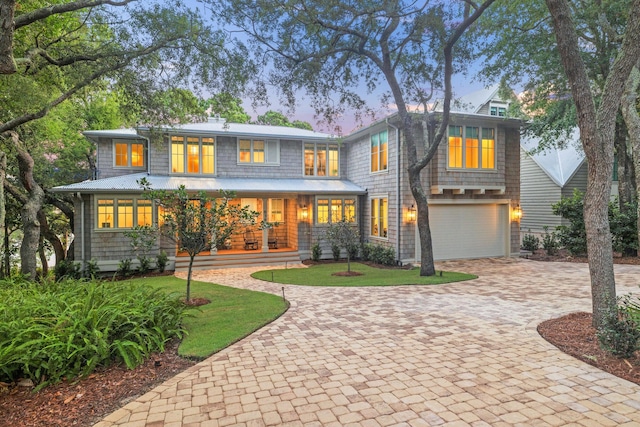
461,85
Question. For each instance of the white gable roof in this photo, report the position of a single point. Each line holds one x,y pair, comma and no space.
472,102
559,164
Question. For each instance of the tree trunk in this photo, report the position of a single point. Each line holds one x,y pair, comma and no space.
47,233
7,10
632,120
3,207
597,127
43,258
29,213
626,169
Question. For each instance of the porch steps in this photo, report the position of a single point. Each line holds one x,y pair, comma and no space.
237,260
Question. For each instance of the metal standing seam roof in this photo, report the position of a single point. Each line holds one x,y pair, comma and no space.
219,127
129,183
559,164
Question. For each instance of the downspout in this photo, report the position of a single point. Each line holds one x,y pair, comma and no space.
148,153
82,249
398,194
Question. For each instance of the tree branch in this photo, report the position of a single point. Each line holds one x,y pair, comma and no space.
45,12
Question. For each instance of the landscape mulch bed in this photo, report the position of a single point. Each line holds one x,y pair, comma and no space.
84,402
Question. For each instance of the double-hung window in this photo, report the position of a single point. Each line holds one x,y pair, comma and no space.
128,154
276,210
193,155
335,209
124,213
471,147
379,151
379,216
259,151
321,159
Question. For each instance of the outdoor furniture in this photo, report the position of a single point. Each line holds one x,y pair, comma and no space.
250,241
272,239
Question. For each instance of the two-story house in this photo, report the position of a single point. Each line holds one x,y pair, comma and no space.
304,180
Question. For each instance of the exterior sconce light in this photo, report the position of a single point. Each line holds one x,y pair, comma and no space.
305,212
411,214
516,214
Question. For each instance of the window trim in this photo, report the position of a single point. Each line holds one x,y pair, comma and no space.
330,199
371,199
115,199
201,154
479,148
380,169
130,143
267,143
327,149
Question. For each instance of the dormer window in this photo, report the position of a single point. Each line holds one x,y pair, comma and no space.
128,154
498,110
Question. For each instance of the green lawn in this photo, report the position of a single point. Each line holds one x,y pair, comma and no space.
322,275
232,314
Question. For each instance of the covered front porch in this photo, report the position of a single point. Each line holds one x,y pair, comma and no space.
237,258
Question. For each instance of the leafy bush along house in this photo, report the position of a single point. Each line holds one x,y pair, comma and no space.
304,180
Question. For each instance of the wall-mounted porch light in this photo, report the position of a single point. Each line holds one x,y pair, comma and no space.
411,214
304,212
516,213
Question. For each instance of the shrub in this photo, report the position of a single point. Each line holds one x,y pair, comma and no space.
67,269
124,267
55,330
382,255
365,251
620,333
316,251
624,225
550,242
352,250
335,252
530,242
145,264
573,236
161,261
91,269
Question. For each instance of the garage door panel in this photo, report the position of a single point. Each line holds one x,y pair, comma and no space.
468,231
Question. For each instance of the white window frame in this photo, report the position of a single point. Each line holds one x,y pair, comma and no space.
464,167
129,143
324,146
330,199
380,169
380,235
185,154
115,201
271,152
272,209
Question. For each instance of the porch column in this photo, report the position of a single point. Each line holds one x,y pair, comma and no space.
265,231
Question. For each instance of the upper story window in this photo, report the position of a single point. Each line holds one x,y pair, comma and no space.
471,147
193,155
379,151
128,154
497,110
259,151
334,209
124,213
321,159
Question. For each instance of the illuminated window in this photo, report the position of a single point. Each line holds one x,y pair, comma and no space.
488,148
259,151
193,155
105,214
330,210
379,151
322,159
379,217
472,149
455,146
124,213
276,210
144,212
129,154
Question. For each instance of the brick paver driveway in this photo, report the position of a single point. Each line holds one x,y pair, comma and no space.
458,354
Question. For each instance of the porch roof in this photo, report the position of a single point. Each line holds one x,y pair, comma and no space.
129,184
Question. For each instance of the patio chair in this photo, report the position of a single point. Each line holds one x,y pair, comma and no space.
272,239
250,241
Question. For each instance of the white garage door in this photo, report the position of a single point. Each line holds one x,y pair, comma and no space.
469,231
